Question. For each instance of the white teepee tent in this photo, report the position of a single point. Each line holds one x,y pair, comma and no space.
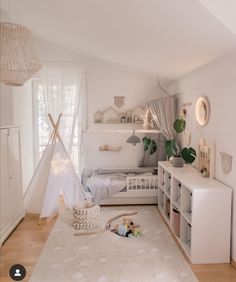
54,175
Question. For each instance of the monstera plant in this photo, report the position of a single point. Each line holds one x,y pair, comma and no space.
173,149
149,145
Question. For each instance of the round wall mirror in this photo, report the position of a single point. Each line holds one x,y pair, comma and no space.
202,110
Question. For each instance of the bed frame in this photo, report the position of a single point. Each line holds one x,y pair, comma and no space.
138,190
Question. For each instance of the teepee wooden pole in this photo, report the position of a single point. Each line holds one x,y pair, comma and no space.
57,134
56,127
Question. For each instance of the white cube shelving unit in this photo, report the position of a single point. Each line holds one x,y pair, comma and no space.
204,209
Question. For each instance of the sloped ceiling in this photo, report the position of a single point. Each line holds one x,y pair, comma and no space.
223,10
167,37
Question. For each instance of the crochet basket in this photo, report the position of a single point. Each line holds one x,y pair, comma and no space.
87,217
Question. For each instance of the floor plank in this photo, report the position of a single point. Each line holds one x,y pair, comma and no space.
26,242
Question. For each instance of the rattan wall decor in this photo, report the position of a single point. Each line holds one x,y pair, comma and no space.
18,59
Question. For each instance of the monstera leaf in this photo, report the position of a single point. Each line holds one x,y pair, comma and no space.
188,154
169,147
152,147
179,125
146,143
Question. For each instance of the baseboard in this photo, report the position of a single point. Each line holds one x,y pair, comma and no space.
233,262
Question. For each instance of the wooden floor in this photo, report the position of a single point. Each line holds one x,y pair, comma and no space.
26,242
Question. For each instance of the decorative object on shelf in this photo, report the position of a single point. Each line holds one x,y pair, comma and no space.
177,161
133,139
148,122
173,150
109,148
138,115
98,117
119,101
202,110
18,59
111,116
149,145
123,119
226,162
206,158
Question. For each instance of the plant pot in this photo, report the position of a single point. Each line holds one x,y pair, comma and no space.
177,161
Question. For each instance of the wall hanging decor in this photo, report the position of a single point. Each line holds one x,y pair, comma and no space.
226,162
119,101
183,111
206,158
202,110
18,59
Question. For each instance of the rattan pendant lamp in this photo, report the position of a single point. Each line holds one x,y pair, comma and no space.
18,61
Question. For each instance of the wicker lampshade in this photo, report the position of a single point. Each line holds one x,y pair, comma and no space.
18,61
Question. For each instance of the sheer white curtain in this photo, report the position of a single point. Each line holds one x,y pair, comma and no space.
60,89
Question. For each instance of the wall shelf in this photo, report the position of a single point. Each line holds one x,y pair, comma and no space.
107,148
120,131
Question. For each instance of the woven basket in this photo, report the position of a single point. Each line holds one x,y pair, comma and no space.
86,218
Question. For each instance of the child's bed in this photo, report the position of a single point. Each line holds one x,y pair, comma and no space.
121,186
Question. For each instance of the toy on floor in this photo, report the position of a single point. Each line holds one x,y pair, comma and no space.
127,228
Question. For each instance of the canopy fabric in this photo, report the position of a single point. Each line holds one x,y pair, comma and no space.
163,112
54,175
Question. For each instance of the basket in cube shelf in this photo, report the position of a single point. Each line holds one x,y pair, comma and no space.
87,217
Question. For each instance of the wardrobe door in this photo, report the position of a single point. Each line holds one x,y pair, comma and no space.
5,208
15,181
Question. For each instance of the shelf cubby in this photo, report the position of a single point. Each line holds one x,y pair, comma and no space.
175,223
186,203
197,210
166,207
185,234
176,192
160,200
161,178
167,183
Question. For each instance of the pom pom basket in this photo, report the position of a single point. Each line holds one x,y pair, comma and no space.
86,218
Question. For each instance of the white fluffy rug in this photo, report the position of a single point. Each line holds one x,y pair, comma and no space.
107,257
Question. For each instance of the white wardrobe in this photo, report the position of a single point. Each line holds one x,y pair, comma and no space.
11,198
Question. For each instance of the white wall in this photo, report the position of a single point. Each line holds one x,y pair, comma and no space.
104,81
217,81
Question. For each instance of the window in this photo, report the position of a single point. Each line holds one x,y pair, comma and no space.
55,99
